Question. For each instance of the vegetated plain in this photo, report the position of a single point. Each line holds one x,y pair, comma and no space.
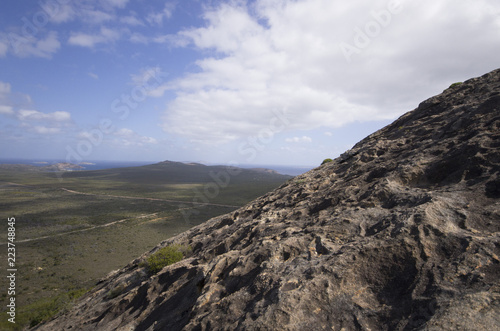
73,228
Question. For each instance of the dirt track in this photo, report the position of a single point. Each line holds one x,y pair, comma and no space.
151,199
82,230
119,221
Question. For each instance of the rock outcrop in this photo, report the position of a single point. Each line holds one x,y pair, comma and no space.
402,232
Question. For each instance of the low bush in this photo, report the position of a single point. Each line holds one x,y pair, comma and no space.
42,310
165,256
326,161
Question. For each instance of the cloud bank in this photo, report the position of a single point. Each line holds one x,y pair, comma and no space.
291,56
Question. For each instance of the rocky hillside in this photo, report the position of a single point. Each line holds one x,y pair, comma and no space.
402,232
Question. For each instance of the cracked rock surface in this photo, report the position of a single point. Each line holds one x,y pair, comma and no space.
402,232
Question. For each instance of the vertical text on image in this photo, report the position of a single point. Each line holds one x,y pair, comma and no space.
11,269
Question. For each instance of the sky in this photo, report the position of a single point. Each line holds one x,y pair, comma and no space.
284,82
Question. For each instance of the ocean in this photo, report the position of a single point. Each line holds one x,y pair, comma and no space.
282,169
89,165
98,165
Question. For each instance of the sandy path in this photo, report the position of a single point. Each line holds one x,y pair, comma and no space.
152,199
114,222
83,230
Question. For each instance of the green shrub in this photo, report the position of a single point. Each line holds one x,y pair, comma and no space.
42,310
326,161
164,257
455,84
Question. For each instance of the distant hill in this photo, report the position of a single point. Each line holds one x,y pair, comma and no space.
198,182
179,172
402,232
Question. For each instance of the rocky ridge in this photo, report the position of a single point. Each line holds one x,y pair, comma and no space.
402,232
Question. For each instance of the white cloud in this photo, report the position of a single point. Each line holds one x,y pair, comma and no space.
151,79
57,12
125,132
89,12
168,10
131,20
303,139
105,35
139,38
128,137
43,123
169,39
156,18
4,88
34,115
146,75
117,3
286,55
30,120
93,75
7,99
4,47
31,46
148,140
46,130
46,47
6,110
96,16
6,105
85,40
159,91
110,34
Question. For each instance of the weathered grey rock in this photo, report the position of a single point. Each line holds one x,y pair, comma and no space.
399,233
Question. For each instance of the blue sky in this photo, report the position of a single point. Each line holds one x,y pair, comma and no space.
242,82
